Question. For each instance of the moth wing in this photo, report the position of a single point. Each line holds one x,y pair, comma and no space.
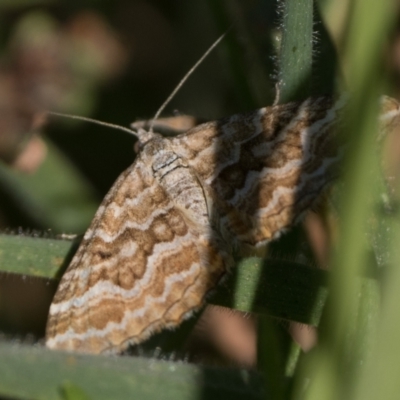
264,169
141,266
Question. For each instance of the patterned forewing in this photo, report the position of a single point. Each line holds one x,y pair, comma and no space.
155,247
265,168
140,268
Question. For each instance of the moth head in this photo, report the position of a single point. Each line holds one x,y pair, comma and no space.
144,137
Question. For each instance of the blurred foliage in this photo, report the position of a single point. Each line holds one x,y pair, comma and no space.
117,61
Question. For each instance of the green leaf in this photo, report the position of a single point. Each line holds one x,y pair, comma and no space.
37,373
33,256
295,55
69,391
282,289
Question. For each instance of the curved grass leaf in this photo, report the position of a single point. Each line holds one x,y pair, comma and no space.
37,373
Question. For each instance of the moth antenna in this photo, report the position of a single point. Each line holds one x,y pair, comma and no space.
185,78
141,134
95,121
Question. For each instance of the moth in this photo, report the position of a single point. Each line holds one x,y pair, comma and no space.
164,234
